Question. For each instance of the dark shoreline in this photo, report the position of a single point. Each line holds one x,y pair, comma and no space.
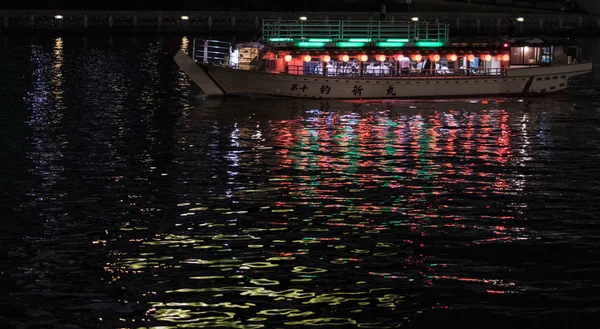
32,22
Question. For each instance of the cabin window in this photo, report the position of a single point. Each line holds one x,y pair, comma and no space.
547,55
530,55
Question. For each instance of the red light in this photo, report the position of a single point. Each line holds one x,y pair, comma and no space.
506,45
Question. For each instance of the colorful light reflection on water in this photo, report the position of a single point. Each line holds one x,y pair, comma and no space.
331,217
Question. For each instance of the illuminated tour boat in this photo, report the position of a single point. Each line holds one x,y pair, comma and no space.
377,59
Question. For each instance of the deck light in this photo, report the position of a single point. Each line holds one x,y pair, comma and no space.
520,19
418,57
506,57
326,58
436,58
350,44
185,18
415,19
364,58
302,18
58,16
288,58
307,58
390,44
345,58
381,58
281,39
310,44
429,44
399,57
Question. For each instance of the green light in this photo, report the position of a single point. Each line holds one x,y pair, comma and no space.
310,44
397,40
360,40
390,44
350,44
319,40
280,39
429,44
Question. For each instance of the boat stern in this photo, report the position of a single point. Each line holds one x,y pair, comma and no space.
550,78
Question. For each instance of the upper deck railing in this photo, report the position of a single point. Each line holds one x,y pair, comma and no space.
353,31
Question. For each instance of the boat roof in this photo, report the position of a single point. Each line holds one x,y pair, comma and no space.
383,35
353,34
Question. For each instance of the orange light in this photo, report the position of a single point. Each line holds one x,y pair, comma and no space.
453,57
506,57
499,57
288,58
364,58
326,58
399,57
418,57
436,58
471,57
381,58
345,58
307,58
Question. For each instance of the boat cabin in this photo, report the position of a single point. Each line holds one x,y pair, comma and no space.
533,52
375,48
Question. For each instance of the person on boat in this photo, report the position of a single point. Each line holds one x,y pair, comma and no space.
427,67
370,69
331,70
354,67
405,66
384,70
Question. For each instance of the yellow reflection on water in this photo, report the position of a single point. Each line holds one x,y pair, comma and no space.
185,42
347,211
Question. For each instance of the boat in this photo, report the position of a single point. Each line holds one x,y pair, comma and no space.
381,59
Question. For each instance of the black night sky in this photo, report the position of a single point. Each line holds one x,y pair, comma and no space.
275,5
271,5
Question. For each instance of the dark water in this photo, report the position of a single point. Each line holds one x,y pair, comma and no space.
129,203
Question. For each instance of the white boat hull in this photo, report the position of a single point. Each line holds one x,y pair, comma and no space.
217,81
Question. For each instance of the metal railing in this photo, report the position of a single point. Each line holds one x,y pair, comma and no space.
211,51
352,30
389,72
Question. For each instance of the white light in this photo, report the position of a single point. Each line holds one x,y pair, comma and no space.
185,18
415,19
520,19
302,18
526,48
58,16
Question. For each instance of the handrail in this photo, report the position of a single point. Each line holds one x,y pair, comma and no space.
349,30
389,72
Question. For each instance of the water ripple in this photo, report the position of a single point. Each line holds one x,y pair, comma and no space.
142,207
